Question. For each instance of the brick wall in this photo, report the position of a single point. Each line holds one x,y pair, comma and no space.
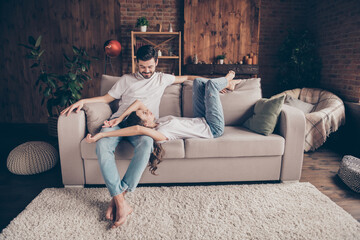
336,24
276,16
157,12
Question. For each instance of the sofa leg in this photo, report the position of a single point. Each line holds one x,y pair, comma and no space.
291,181
74,186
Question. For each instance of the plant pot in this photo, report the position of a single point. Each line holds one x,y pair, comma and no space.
52,126
221,61
143,28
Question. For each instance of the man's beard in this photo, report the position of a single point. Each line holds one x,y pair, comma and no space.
147,77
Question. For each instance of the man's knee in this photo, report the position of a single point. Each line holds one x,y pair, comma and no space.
103,145
145,143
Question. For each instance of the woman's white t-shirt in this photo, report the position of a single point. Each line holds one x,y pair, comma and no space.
181,128
132,87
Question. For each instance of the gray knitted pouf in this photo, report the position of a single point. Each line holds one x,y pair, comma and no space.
31,158
349,172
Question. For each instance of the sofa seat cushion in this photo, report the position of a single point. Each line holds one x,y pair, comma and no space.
236,142
173,149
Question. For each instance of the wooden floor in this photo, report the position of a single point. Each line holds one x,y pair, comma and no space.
16,192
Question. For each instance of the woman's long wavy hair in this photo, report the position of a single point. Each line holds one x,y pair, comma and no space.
157,153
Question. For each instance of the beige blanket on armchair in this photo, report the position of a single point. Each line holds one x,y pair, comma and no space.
327,116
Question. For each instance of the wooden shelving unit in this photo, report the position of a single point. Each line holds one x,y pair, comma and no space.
152,38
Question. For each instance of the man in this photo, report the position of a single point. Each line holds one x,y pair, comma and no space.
147,86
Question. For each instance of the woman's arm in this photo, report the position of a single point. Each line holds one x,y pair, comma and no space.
136,105
129,131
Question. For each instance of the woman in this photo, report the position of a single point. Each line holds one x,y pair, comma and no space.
208,120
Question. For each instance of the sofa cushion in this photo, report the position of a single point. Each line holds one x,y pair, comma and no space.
237,105
236,142
266,113
173,149
170,103
96,114
301,105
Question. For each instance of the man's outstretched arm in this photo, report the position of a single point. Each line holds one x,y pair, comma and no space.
79,104
181,79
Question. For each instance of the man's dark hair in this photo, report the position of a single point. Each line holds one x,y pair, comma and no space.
146,53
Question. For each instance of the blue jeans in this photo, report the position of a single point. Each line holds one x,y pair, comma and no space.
207,104
105,148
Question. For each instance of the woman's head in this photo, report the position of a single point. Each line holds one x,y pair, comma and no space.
146,117
139,117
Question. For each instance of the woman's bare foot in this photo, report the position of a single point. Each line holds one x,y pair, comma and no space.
123,209
230,76
232,84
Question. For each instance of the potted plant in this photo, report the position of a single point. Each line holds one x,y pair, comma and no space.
142,22
59,90
299,62
221,58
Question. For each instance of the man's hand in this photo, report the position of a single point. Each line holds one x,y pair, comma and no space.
111,123
78,106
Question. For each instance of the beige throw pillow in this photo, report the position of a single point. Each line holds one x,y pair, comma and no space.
96,114
301,105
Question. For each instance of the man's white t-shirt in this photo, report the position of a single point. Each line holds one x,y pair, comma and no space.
181,127
131,87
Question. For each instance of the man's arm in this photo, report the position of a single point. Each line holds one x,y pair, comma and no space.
79,104
181,79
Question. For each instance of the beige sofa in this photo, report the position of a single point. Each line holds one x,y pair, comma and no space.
238,155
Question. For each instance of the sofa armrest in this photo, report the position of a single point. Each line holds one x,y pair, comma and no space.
71,130
292,128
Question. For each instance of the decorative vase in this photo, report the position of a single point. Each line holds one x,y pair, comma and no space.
221,61
195,59
143,28
170,28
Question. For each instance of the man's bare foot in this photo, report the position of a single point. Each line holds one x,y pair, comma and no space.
123,209
111,210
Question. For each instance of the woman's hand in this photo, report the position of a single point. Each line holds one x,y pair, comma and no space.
78,106
91,139
111,123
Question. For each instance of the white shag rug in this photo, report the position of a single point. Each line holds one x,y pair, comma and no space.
261,211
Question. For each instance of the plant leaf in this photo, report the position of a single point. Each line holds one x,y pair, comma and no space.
67,58
34,65
41,53
72,76
76,50
31,40
47,92
38,41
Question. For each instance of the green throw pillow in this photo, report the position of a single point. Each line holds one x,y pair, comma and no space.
265,116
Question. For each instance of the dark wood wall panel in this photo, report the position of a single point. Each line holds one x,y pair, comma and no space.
221,26
62,24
